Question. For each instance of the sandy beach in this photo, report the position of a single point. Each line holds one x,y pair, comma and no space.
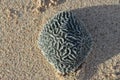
22,20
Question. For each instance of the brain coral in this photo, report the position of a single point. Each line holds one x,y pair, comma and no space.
65,42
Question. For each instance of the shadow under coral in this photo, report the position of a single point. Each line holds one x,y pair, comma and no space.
103,22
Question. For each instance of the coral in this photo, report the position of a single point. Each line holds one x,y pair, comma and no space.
65,42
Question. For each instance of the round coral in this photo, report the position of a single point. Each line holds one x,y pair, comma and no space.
65,42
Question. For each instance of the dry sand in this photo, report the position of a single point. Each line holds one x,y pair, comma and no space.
22,20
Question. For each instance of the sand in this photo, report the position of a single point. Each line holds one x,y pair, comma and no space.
22,20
